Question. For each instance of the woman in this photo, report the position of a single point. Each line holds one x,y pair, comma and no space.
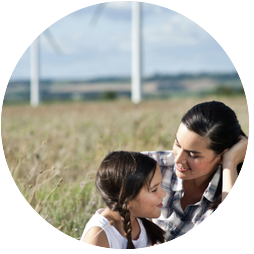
130,185
209,146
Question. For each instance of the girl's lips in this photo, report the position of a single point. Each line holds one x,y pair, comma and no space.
181,169
160,205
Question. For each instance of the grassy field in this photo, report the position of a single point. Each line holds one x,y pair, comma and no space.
53,151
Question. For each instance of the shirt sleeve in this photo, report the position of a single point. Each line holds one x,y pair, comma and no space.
163,158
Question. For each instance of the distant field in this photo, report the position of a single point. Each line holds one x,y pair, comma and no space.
156,86
53,151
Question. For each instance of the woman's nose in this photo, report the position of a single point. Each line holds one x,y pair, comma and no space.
179,156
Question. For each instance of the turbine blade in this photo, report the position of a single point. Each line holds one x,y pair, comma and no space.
53,42
97,14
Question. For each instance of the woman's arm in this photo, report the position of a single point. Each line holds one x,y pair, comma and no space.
231,158
229,175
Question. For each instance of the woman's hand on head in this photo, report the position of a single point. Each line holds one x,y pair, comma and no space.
236,154
231,158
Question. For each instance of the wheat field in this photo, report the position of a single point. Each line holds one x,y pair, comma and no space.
53,151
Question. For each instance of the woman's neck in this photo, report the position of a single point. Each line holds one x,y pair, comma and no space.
202,182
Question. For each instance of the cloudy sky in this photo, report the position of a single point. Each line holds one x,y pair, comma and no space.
171,44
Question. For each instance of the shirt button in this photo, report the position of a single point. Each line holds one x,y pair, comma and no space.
172,232
182,218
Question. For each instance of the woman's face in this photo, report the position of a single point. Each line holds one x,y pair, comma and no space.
192,157
148,203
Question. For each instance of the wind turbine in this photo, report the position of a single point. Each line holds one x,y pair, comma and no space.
35,66
136,74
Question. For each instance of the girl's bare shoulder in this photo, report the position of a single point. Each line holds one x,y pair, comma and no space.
96,236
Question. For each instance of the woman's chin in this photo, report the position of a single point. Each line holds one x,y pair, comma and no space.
182,174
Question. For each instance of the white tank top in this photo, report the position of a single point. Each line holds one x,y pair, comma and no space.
115,239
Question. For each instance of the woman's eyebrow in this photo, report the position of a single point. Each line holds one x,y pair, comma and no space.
189,151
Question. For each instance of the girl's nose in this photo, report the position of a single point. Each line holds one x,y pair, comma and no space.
163,193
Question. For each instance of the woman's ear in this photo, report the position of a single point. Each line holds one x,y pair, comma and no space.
221,155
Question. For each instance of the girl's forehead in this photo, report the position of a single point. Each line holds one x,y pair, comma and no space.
150,179
156,177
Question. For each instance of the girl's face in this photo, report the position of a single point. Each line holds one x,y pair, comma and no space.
192,157
148,203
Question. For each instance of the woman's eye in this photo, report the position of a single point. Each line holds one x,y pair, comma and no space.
176,143
154,190
193,155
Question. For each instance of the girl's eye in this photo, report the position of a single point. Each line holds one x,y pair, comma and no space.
154,190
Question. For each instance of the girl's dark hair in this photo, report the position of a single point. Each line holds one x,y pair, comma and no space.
219,123
119,179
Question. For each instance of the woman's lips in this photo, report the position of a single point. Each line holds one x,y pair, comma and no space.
181,169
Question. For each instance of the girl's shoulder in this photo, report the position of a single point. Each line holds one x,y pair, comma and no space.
93,227
96,236
100,228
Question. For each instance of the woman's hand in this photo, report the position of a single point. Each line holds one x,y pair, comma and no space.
236,154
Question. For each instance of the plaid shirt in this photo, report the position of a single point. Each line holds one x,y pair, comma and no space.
173,219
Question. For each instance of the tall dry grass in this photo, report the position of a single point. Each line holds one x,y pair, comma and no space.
53,151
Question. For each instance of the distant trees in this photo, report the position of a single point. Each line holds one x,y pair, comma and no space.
228,91
108,95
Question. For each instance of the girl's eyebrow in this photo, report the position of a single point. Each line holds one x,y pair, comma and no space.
154,186
189,151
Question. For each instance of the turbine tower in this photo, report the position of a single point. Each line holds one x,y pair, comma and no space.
35,65
136,78
34,81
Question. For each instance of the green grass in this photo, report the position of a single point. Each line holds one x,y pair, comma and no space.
68,141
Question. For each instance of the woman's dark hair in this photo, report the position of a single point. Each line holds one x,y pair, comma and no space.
216,121
119,179
219,123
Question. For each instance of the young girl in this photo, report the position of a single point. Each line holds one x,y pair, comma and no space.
130,185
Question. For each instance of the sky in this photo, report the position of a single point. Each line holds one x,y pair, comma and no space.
171,44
